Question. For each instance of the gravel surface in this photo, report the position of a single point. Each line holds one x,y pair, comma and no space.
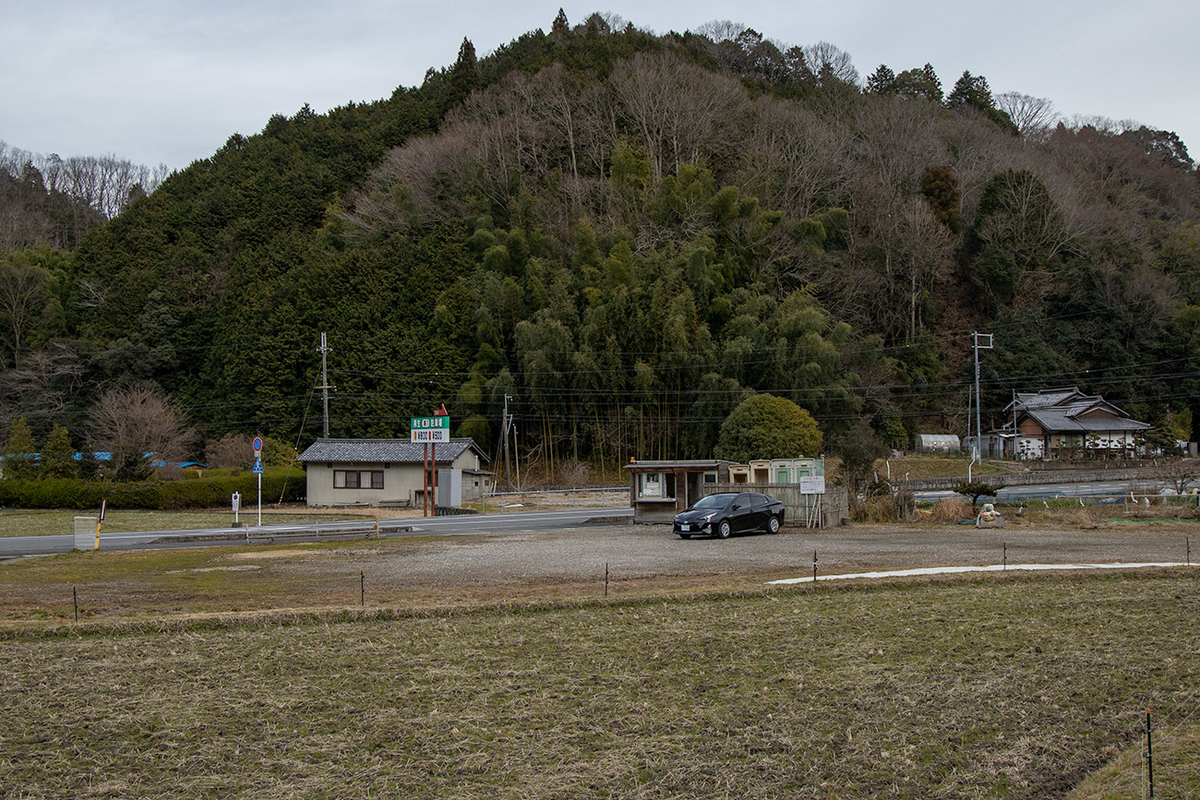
652,553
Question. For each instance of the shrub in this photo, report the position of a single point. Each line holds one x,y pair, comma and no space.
950,510
280,485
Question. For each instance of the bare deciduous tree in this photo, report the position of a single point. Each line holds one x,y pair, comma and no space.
138,426
104,183
830,59
1181,474
681,113
231,450
1034,116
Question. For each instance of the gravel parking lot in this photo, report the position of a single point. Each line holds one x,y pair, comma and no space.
651,555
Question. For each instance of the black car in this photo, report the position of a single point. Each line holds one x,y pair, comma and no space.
728,513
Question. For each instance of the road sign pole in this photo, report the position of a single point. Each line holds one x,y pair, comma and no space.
258,470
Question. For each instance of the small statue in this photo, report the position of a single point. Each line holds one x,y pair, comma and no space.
988,516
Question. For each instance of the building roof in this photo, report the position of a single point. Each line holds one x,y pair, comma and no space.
707,463
1070,410
396,451
1057,420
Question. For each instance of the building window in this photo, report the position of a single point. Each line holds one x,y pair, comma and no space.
357,479
656,486
710,478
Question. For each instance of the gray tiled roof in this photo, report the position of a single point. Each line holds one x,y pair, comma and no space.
1048,398
399,451
1064,421
1065,410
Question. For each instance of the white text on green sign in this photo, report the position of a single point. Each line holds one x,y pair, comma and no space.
429,430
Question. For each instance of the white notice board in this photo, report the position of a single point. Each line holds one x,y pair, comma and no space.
815,485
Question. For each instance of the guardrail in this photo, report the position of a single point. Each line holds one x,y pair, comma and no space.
371,529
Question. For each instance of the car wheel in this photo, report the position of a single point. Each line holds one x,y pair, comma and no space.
725,529
773,525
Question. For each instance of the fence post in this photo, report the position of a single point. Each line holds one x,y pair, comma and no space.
1149,755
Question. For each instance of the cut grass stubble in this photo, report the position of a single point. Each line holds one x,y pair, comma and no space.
1009,686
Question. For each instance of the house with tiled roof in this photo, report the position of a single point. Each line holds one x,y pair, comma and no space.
1066,423
389,472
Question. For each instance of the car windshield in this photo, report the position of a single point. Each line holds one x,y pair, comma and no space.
713,501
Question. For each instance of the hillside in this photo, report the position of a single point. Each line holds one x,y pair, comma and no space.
626,234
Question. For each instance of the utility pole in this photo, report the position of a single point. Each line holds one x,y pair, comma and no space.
323,349
979,337
517,457
504,427
1016,433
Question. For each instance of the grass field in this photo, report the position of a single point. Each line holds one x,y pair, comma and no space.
38,522
998,687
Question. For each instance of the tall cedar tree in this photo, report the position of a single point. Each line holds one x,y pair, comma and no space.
465,77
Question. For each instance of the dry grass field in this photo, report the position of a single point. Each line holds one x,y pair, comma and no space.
258,672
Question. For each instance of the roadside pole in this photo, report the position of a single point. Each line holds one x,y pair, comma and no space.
99,522
258,470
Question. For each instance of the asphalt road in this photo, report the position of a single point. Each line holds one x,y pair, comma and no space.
467,524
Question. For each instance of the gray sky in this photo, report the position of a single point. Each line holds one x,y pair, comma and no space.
166,81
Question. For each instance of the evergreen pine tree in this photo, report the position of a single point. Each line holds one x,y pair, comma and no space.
882,81
58,457
20,454
465,76
560,27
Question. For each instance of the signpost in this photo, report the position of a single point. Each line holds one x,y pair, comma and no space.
258,470
429,431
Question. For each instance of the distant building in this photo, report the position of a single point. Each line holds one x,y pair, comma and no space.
1064,424
389,472
659,490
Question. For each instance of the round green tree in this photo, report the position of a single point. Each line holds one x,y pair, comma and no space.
766,426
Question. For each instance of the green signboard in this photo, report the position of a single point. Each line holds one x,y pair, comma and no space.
429,430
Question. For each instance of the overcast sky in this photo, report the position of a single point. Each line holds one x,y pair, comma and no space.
160,81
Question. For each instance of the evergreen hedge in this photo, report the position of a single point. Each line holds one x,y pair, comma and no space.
153,495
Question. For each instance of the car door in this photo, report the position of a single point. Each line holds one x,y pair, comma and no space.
761,506
741,515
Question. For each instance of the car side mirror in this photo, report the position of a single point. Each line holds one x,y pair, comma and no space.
736,507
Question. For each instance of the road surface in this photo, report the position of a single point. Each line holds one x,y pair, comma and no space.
460,525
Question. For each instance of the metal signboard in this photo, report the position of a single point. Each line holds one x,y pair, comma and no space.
429,430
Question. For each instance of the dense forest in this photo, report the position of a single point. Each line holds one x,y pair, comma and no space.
626,235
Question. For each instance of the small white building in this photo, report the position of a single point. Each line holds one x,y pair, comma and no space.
388,472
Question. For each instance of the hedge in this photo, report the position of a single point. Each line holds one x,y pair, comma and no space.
154,495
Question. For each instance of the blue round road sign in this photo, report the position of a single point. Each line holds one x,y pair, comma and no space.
257,444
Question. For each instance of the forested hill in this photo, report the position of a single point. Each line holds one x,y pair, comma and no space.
627,234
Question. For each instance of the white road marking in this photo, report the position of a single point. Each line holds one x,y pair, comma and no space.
899,573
